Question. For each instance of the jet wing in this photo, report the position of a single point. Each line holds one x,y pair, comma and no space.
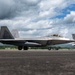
38,41
19,42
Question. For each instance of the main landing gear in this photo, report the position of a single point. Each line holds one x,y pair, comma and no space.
21,47
51,48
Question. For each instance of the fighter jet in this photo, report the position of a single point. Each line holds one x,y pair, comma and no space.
24,43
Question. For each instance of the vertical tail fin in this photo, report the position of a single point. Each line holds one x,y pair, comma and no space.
5,33
73,35
15,33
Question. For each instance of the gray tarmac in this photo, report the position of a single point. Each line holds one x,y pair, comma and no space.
37,62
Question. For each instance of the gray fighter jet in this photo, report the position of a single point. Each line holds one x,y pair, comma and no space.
24,43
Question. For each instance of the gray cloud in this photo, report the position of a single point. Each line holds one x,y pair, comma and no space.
13,8
7,9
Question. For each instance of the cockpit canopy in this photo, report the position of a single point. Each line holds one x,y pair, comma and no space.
55,35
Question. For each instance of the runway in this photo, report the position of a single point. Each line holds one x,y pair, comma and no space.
37,62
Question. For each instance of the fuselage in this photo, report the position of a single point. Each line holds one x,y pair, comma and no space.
44,41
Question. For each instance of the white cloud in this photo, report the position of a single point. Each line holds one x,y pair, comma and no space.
70,18
64,31
51,8
36,14
49,4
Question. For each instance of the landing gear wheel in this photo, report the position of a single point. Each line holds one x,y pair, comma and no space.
25,48
49,48
19,47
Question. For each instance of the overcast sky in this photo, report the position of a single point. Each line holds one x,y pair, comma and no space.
36,17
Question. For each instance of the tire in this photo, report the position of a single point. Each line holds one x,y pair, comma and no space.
19,47
25,48
49,49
